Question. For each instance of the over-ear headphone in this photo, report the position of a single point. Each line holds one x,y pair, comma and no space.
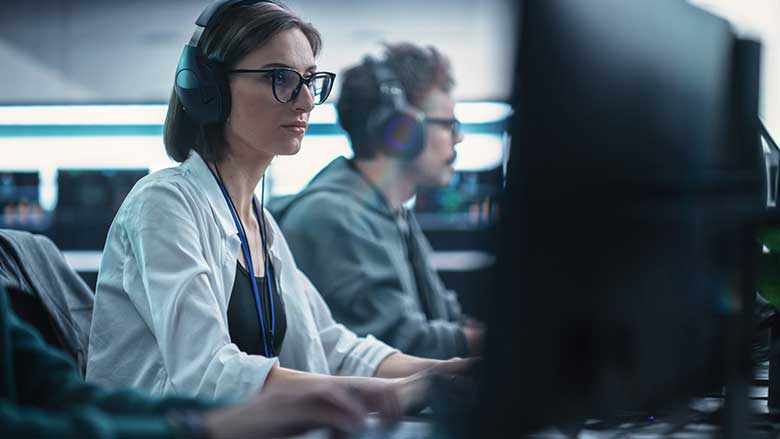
394,126
201,83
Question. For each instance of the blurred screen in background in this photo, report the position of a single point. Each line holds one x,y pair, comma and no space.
87,200
20,201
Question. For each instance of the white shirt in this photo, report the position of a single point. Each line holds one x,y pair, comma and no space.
160,314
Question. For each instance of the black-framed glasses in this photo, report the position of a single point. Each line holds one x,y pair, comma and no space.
286,83
453,124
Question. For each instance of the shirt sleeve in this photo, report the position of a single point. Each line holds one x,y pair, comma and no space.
79,422
186,319
53,401
360,281
347,353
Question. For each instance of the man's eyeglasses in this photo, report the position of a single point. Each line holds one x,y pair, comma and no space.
287,83
452,124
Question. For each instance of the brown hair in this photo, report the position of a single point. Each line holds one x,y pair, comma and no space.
420,70
240,30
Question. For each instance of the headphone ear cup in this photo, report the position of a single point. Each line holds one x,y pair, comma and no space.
404,135
397,133
202,87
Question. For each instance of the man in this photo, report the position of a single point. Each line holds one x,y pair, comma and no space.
43,395
349,229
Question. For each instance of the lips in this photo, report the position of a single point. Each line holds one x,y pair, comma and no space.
297,127
452,159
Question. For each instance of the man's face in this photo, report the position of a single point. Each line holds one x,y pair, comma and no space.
434,166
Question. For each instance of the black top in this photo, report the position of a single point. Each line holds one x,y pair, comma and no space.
243,322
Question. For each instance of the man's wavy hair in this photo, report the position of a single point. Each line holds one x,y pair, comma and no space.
420,70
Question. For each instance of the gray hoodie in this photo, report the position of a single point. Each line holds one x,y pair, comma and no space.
354,249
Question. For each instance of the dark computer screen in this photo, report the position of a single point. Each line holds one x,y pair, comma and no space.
634,174
87,200
20,202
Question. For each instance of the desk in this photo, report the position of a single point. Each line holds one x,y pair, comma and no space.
83,260
89,260
406,429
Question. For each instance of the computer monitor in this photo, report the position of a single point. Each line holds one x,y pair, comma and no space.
634,186
87,200
20,201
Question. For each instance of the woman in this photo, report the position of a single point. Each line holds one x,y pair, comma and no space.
198,293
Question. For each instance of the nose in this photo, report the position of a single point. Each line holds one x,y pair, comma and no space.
458,136
304,102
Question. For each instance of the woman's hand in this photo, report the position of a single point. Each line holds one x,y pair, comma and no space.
414,392
457,366
379,395
392,398
284,411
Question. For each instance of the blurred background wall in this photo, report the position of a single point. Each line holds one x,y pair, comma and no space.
759,19
88,51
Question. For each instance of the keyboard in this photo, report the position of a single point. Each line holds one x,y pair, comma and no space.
406,429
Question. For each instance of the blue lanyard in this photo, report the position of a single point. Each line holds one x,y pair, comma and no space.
248,260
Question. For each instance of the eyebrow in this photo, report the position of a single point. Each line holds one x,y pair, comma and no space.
278,64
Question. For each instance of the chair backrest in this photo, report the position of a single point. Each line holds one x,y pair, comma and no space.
45,291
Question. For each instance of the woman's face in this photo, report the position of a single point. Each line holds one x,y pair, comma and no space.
258,124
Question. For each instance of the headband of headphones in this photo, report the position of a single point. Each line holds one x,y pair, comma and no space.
396,127
211,14
391,91
201,84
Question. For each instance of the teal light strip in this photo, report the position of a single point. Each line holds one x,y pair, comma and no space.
156,130
154,115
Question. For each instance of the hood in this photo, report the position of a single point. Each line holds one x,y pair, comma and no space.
338,176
